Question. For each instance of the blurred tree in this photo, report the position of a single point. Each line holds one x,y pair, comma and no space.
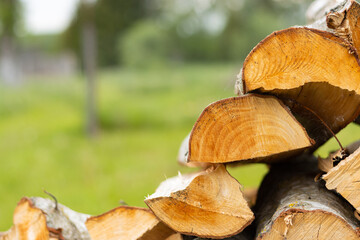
227,29
145,45
112,18
9,16
196,30
89,59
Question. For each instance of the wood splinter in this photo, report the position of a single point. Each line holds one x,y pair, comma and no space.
207,204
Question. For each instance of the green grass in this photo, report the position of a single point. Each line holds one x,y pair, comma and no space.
144,114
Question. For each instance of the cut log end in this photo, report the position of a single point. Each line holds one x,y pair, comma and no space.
298,224
29,223
127,223
206,204
250,128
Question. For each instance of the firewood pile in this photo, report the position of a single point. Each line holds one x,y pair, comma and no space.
297,88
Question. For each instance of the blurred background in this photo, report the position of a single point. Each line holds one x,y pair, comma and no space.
96,96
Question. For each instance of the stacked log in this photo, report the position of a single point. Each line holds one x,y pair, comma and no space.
297,89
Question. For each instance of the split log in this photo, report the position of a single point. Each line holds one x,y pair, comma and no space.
39,218
294,64
128,223
184,153
344,178
251,128
207,204
29,223
326,164
291,205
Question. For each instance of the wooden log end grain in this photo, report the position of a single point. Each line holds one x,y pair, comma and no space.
207,204
128,223
251,128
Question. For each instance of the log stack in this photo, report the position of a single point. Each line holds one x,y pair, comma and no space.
297,88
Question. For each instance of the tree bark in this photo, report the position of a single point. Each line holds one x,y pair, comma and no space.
89,60
291,205
10,71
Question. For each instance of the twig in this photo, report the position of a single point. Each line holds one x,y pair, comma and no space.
53,197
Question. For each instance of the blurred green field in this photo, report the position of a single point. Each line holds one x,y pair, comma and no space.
144,116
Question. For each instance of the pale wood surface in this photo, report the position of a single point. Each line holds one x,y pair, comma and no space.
29,223
127,223
206,204
292,206
345,179
252,127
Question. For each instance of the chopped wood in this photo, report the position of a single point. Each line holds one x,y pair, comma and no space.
39,218
183,155
29,223
291,205
251,128
127,223
294,64
344,178
207,204
326,164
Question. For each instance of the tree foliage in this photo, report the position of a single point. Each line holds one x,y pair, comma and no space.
112,18
189,30
9,15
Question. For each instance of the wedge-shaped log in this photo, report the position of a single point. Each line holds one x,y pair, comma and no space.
29,223
344,178
291,205
250,128
127,223
207,204
312,71
39,218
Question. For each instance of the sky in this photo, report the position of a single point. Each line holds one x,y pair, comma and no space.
47,16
